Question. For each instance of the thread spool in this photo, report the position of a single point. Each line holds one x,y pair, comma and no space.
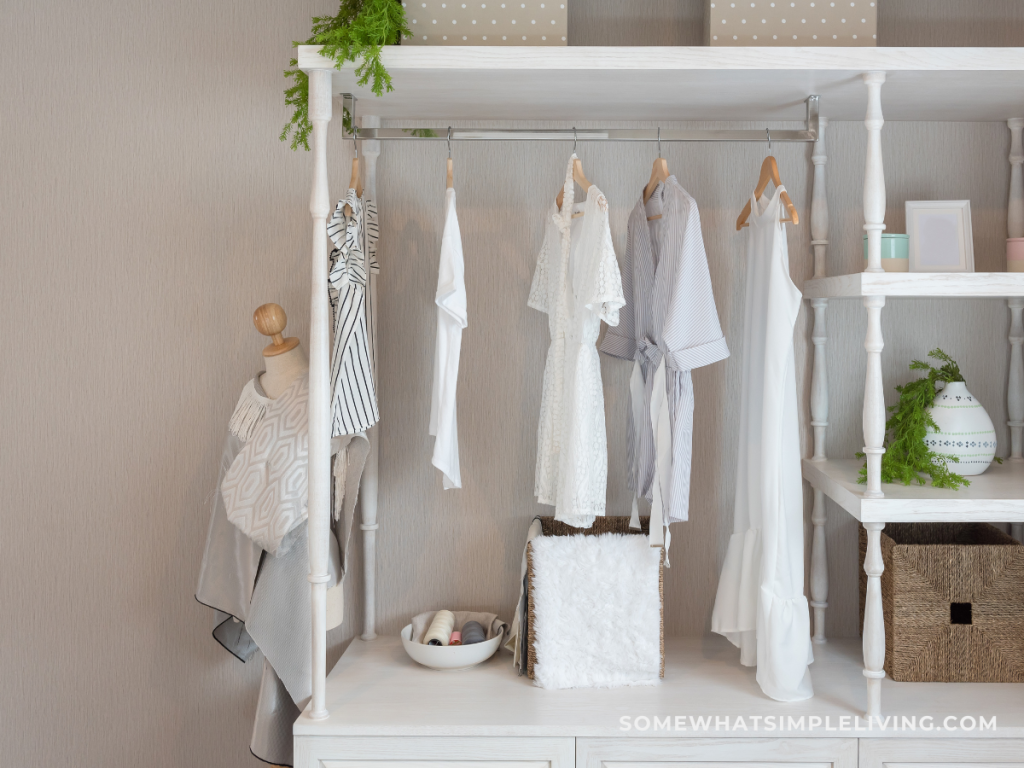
440,630
455,639
472,633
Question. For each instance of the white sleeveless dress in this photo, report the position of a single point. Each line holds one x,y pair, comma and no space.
760,605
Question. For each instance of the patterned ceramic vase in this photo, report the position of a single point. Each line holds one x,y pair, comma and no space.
965,430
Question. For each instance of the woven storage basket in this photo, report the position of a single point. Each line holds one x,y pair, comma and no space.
953,602
552,527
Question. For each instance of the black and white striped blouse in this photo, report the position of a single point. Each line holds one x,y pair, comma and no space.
353,396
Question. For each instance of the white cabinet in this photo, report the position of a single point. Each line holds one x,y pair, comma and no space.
716,753
433,752
941,753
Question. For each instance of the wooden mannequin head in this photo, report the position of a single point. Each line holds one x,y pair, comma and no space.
270,320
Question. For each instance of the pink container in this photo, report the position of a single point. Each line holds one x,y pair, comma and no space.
1015,254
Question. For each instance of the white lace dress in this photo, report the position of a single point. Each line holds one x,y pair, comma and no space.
577,284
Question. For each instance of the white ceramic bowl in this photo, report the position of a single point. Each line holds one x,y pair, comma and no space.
448,658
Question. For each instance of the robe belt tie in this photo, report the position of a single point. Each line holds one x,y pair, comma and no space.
650,353
647,352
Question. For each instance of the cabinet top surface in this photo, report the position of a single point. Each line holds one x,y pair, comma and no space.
644,83
377,690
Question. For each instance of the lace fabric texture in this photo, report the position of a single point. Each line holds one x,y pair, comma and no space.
578,285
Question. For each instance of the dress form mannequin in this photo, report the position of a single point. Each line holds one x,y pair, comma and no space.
284,359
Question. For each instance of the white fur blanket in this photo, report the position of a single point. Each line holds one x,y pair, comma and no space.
596,611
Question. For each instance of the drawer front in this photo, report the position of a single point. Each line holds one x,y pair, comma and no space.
433,752
941,753
716,753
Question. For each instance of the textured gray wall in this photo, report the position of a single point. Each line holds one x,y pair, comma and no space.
148,208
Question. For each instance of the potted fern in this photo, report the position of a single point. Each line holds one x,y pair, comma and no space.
357,31
918,447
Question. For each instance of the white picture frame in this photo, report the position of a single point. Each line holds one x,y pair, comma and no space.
940,238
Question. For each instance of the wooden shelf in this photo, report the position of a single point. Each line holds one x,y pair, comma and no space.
377,690
919,284
997,496
611,83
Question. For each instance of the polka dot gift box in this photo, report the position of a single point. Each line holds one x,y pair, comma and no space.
792,22
527,22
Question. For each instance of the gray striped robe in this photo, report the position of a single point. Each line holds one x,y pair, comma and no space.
670,313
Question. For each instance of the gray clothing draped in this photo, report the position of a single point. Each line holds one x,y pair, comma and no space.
262,602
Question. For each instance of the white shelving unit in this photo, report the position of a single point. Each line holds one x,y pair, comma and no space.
675,84
998,494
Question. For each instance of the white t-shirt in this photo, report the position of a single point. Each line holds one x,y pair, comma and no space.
451,319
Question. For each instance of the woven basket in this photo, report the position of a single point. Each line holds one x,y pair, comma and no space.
552,527
953,602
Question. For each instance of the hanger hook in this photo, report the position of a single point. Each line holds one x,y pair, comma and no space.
769,139
355,131
574,139
449,142
659,141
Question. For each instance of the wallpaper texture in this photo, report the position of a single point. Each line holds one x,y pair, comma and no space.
148,208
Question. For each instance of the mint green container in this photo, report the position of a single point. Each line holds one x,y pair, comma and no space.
895,252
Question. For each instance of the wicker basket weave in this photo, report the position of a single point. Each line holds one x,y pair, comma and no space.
953,602
552,527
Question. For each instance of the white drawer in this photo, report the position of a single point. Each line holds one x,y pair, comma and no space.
942,753
716,753
433,752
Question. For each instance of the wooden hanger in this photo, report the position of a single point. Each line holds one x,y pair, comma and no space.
579,178
769,172
354,182
659,174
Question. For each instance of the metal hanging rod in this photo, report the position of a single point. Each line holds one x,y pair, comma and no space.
808,134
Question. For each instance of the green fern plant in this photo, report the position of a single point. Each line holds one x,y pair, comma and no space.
907,459
357,32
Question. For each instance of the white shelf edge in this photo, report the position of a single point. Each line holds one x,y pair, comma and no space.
986,500
861,59
965,285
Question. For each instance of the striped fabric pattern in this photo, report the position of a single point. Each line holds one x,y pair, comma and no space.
670,312
353,397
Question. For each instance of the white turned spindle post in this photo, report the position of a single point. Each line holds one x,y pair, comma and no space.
819,240
1015,208
369,483
819,203
819,567
819,384
1015,389
874,620
819,380
874,398
319,391
874,179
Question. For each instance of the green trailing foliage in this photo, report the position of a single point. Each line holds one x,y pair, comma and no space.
907,459
356,33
